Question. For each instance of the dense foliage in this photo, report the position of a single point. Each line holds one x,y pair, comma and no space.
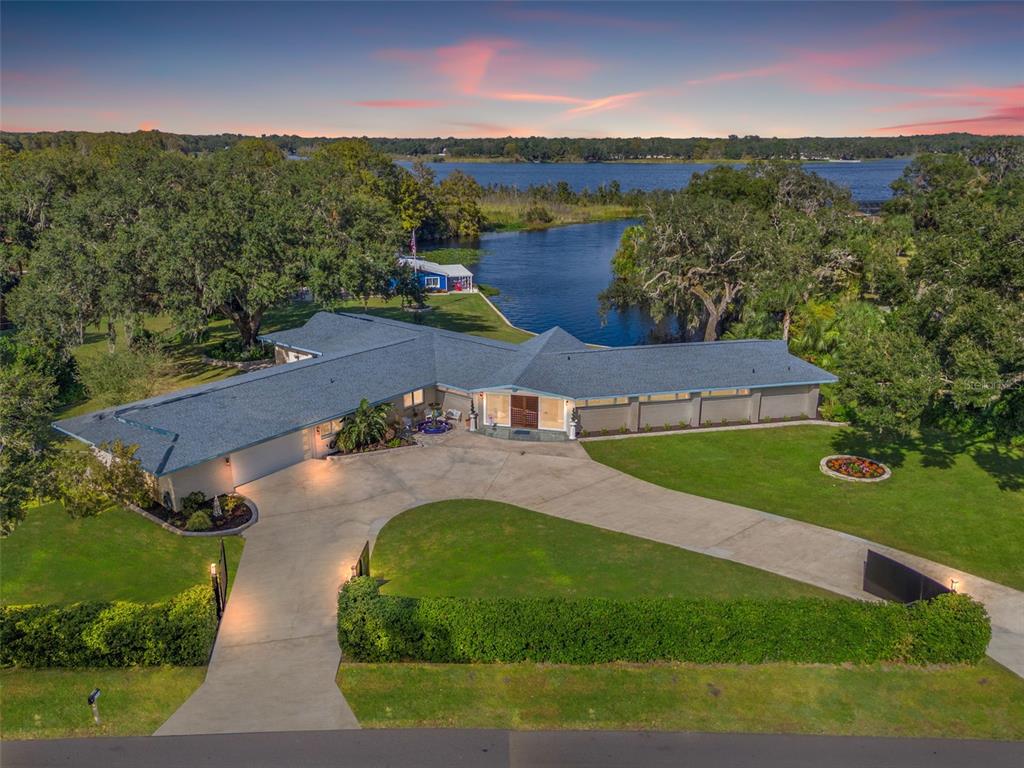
919,311
374,627
179,632
544,149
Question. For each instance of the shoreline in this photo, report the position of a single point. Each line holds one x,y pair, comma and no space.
432,160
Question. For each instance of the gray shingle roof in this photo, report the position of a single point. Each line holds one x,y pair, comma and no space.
363,356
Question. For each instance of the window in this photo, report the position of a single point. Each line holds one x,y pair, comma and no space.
605,401
431,282
497,409
413,399
726,392
666,397
552,413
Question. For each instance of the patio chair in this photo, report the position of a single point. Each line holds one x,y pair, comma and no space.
453,414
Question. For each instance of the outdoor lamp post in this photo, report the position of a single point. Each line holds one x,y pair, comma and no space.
94,703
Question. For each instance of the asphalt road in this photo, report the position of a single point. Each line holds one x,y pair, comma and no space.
508,749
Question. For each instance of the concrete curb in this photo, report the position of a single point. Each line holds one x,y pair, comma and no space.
345,457
705,430
502,315
201,534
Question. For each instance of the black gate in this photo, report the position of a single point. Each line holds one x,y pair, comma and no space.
219,581
892,580
362,566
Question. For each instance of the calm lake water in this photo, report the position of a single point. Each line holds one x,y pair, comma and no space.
553,277
868,181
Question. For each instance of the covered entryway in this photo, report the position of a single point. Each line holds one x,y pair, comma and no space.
524,411
262,459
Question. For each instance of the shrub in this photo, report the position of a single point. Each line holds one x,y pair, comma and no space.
537,214
234,350
199,521
375,628
118,634
191,503
230,502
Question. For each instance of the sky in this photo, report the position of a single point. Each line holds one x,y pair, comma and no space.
514,69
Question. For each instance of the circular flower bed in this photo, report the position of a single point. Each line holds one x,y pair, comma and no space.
855,468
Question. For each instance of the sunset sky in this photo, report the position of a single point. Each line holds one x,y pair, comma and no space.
567,69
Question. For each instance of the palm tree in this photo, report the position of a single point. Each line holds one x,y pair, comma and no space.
365,426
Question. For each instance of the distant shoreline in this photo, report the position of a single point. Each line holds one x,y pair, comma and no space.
433,160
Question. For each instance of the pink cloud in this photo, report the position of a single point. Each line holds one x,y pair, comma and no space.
495,68
1004,120
491,130
743,74
606,103
400,103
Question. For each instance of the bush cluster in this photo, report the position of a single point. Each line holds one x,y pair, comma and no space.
233,350
374,628
119,634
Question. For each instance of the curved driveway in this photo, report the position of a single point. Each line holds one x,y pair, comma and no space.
276,656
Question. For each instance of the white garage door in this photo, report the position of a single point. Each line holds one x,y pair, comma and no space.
267,457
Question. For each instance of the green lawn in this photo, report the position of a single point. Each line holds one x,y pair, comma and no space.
118,555
51,703
958,504
474,548
986,701
462,312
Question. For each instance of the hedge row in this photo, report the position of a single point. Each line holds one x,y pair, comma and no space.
119,634
374,627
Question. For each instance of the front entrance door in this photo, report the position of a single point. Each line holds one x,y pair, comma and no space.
524,411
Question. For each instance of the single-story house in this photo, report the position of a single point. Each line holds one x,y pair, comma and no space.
440,277
216,436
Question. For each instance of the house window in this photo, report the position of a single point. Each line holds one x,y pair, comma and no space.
497,409
552,413
413,399
726,392
431,282
605,401
666,397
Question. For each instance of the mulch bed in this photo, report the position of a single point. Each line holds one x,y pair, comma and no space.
228,521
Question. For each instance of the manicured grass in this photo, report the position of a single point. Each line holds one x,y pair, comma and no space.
464,256
118,555
956,503
462,312
985,701
51,703
474,548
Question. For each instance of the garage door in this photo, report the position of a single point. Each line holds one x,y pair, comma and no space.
267,457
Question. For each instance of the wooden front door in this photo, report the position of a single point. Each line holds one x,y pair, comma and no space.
524,411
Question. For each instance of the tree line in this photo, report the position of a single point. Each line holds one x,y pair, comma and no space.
551,149
919,311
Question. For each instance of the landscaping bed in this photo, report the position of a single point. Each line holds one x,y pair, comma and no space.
855,468
234,512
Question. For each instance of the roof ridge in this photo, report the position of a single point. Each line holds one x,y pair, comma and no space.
681,344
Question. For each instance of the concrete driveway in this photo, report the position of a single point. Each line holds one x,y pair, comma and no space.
274,664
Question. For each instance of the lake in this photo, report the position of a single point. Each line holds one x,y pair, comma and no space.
554,276
868,182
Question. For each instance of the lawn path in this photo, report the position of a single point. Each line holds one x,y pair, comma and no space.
276,657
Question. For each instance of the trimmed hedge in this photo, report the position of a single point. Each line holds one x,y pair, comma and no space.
119,634
374,628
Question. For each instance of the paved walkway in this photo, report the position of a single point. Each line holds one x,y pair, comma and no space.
276,657
429,748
